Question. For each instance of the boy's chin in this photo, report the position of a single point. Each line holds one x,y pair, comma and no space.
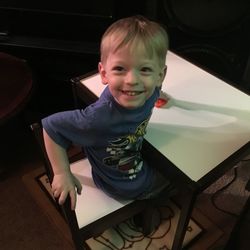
132,105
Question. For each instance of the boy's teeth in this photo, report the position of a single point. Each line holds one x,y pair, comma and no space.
131,93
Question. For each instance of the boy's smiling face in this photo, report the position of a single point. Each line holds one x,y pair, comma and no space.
132,75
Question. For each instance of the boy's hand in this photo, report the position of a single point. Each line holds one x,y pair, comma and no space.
66,184
162,100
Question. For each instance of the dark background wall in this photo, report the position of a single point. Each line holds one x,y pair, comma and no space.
61,40
215,34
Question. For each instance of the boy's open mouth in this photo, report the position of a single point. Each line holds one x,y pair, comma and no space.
131,93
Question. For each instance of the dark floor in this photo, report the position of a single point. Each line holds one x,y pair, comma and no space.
23,225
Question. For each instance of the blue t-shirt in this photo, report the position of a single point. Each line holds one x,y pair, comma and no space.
112,139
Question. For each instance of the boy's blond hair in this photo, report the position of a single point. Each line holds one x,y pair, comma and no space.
135,30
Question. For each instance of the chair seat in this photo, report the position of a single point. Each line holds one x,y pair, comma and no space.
92,198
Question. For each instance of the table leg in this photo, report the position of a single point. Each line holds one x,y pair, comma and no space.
187,203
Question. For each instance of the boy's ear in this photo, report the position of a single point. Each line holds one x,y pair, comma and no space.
162,75
103,73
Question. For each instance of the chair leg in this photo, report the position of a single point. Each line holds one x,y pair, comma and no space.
148,220
85,246
150,217
151,220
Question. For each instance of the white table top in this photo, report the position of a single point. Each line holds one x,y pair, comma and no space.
205,121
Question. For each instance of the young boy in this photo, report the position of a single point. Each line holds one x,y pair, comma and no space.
111,130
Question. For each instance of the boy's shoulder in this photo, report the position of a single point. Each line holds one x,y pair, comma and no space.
101,108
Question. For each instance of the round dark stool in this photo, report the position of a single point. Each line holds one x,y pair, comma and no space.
15,86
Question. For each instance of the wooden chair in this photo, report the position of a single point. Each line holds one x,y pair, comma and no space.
95,211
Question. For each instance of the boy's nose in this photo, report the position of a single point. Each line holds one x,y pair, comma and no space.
132,78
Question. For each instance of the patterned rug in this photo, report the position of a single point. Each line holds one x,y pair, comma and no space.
126,235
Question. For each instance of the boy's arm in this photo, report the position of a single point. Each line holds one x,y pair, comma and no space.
64,182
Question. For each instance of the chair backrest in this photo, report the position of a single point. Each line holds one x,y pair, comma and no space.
95,211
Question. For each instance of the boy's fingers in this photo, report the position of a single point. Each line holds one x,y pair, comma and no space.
78,186
56,194
79,190
62,198
72,195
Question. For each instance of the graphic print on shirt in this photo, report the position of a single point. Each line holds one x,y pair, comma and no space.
125,152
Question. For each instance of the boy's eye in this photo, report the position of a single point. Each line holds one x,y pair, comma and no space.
146,69
118,68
